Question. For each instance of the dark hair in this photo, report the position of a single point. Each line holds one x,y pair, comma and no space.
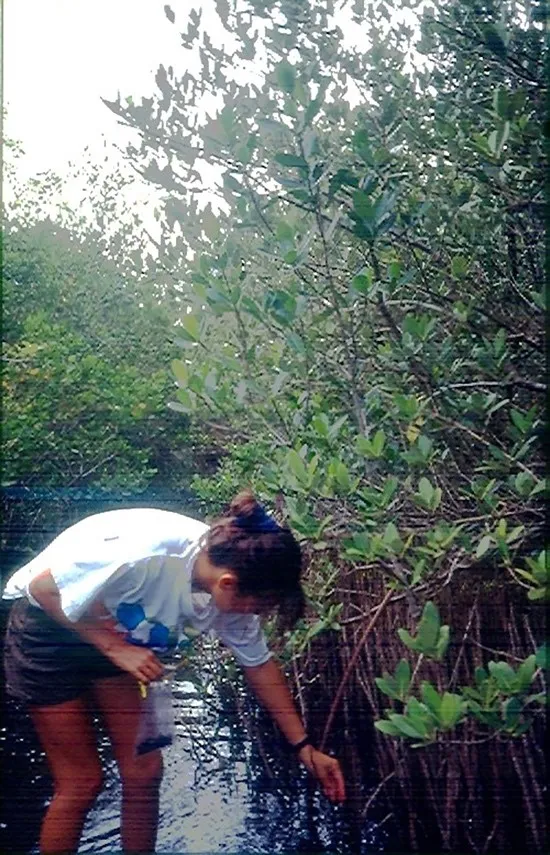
264,556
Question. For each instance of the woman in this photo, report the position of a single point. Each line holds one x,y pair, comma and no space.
92,608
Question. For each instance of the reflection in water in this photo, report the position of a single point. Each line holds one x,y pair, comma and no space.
218,794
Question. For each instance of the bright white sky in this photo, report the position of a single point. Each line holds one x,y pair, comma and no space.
62,56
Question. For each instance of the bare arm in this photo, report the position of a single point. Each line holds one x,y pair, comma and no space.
271,688
97,627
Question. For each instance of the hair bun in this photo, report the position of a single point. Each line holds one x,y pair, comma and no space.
244,504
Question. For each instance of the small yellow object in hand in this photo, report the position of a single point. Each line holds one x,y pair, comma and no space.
142,689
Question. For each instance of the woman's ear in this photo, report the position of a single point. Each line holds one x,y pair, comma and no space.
228,582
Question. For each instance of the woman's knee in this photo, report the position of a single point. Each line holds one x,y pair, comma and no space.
143,772
82,788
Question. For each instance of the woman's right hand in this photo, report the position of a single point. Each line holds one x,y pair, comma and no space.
140,662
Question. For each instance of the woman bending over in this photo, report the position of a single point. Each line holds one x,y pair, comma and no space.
95,605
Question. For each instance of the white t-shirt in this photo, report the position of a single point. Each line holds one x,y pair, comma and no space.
138,562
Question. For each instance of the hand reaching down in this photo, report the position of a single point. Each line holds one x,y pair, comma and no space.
327,771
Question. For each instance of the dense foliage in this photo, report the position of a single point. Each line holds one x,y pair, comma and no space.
86,346
364,308
359,312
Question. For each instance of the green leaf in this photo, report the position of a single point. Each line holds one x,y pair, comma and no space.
540,487
387,686
403,678
359,546
504,675
442,642
378,442
430,697
243,154
415,730
519,421
320,425
387,727
362,205
484,545
512,710
179,408
540,567
419,717
285,233
428,628
294,160
334,429
524,483
362,283
419,570
189,328
406,638
342,476
451,710
459,266
426,490
286,76
515,533
542,657
425,446
181,372
295,342
241,391
310,143
297,467
210,224
436,500
525,673
538,594
391,537
498,138
538,698
186,401
391,485
195,383
364,446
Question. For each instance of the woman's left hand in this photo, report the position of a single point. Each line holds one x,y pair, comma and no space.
327,771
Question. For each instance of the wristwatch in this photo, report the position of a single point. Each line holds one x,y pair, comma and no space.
301,744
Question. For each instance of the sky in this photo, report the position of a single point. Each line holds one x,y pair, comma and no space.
62,56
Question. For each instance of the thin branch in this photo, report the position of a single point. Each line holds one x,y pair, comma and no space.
492,650
483,441
372,797
354,657
463,642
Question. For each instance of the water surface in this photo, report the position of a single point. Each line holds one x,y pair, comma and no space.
219,794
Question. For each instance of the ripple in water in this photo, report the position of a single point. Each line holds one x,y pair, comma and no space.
216,796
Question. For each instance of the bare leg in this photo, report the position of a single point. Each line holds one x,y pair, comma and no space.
118,700
68,738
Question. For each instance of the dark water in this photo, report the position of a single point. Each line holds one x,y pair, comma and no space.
219,795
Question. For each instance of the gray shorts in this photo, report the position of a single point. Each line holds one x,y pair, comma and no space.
46,663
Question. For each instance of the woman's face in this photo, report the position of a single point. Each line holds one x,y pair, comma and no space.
227,598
